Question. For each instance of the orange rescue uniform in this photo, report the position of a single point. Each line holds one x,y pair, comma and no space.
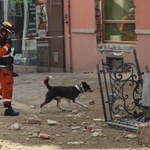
6,79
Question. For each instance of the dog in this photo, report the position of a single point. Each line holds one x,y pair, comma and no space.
71,93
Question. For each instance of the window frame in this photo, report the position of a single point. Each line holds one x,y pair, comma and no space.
104,22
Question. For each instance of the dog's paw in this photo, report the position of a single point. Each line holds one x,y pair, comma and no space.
40,111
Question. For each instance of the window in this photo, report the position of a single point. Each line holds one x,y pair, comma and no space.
119,21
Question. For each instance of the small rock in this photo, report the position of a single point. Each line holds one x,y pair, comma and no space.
90,127
131,136
86,123
19,147
95,134
75,128
27,139
118,139
57,135
117,116
75,143
1,146
74,111
34,135
98,120
44,136
32,107
91,102
73,115
15,126
34,120
83,130
51,122
60,143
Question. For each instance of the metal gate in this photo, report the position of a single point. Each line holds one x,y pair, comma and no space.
120,91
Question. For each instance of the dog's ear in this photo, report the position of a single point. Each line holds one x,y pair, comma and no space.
83,82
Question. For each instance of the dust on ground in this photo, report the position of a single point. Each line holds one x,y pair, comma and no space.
71,130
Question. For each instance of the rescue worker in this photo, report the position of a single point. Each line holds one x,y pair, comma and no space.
6,67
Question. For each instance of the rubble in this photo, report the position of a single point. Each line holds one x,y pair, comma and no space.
74,111
51,122
44,136
131,136
97,133
91,102
75,143
34,120
61,135
143,133
32,106
75,127
15,126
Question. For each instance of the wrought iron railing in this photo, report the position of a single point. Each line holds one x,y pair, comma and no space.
121,94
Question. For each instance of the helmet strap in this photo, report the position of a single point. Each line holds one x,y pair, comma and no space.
9,36
5,34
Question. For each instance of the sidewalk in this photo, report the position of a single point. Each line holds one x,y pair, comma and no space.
29,92
29,88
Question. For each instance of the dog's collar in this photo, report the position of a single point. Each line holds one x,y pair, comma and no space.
79,87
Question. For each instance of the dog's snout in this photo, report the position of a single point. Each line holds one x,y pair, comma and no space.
89,90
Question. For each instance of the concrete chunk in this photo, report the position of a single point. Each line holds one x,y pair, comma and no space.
143,133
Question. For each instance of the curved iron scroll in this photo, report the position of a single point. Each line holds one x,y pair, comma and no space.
126,91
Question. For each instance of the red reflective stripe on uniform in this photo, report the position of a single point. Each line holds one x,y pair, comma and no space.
5,47
4,56
7,100
3,50
3,66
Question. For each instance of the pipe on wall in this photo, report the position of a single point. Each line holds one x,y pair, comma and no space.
70,40
64,58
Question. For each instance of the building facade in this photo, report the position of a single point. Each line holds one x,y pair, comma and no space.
75,35
38,41
143,32
106,29
80,36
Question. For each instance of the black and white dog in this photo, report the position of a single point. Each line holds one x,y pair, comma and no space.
67,92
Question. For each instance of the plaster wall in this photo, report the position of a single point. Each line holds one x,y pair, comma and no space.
80,47
143,32
82,14
143,51
85,55
142,13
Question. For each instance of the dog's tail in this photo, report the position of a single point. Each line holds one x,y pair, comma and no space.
46,82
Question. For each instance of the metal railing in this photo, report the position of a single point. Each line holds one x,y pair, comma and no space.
121,94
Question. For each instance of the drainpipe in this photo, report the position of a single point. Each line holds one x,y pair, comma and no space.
5,7
70,40
64,52
26,17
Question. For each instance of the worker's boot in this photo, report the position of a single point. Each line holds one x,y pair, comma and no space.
9,111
